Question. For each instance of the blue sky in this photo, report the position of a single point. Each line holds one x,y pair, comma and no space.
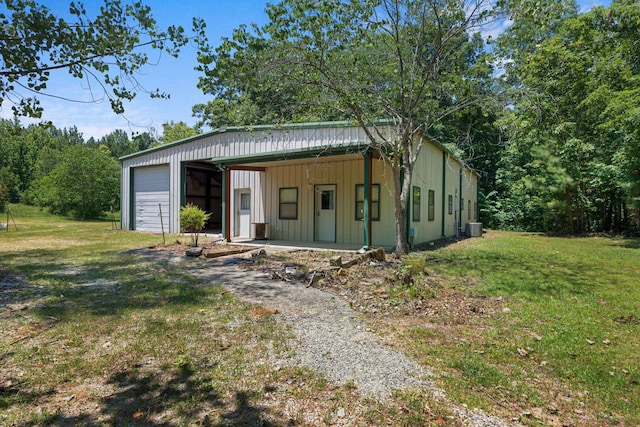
174,76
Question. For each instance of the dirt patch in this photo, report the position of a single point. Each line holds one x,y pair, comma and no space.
382,288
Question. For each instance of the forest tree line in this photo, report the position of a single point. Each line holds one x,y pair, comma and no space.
59,170
547,112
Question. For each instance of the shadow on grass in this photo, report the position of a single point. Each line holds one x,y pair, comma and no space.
630,243
181,398
13,395
104,287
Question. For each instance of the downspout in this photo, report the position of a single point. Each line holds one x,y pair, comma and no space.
461,201
226,206
367,199
444,187
132,208
477,200
122,173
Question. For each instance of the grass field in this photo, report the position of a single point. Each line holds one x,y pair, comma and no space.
566,346
91,335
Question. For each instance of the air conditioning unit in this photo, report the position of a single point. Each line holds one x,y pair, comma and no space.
474,229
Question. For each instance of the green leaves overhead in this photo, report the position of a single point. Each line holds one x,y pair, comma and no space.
107,50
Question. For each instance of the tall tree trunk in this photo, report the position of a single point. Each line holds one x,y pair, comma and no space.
401,196
570,212
606,220
618,218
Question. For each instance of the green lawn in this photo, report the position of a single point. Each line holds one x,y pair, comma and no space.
91,334
567,341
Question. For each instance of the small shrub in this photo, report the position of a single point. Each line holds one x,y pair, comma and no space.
192,220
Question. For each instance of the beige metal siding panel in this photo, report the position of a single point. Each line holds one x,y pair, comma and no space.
469,183
247,180
428,176
451,184
383,231
356,234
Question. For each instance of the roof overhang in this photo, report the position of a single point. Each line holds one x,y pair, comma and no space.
278,157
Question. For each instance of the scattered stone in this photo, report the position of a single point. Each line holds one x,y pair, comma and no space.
590,342
258,253
606,342
506,310
335,261
290,271
341,413
194,252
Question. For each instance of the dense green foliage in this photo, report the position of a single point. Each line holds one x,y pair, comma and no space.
85,183
570,162
193,220
176,131
57,169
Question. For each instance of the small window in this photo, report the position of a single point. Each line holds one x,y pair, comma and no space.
288,203
431,206
450,204
375,202
416,204
245,201
326,200
469,211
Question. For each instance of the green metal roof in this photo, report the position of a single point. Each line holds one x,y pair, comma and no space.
299,153
286,154
256,128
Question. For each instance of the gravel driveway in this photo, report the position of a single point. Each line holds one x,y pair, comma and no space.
331,339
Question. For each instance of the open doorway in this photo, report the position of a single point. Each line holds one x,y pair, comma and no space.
203,188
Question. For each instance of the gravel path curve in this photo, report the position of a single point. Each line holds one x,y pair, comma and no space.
332,340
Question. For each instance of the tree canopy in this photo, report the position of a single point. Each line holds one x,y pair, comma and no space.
414,62
571,163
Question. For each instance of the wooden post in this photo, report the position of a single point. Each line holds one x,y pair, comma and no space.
161,223
226,204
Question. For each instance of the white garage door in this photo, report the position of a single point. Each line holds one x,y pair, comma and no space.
151,189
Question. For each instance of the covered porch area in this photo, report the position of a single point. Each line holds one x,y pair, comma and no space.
322,197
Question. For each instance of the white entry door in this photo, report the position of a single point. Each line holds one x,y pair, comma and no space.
325,205
243,219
